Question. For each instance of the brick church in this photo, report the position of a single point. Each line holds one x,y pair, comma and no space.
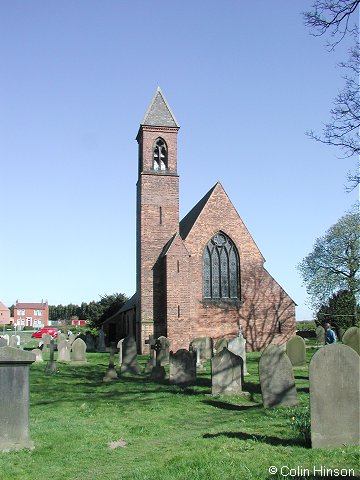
202,276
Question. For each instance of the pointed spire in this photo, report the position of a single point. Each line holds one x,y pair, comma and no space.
159,113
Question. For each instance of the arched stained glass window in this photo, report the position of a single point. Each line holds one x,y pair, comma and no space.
160,155
221,269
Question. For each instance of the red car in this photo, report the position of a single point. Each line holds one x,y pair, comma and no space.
51,331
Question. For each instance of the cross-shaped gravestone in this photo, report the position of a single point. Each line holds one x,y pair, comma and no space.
51,365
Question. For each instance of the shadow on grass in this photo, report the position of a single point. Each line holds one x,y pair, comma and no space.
258,438
230,406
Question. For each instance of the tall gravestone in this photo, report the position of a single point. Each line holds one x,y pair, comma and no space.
182,367
101,347
351,338
78,352
129,357
7,338
163,356
14,398
13,342
120,348
295,350
111,373
320,335
204,345
276,378
64,350
334,396
226,373
237,346
45,341
90,343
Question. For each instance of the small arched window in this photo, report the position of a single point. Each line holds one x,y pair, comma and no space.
160,155
221,269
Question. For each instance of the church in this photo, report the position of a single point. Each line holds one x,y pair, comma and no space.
203,276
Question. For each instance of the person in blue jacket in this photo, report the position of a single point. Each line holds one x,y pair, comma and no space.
330,336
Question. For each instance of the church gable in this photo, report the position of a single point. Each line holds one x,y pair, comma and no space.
215,212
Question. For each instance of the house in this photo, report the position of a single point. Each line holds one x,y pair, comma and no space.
31,314
4,314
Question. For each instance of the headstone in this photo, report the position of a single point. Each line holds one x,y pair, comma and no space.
101,347
320,335
129,357
110,373
157,370
90,343
51,365
64,349
38,354
3,342
7,338
182,367
61,337
351,338
120,347
220,344
295,350
164,352
71,338
276,378
14,398
226,373
334,396
238,347
204,345
45,341
13,342
78,352
199,365
151,361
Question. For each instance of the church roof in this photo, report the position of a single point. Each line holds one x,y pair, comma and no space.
188,221
159,113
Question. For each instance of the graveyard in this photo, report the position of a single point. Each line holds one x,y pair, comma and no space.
135,426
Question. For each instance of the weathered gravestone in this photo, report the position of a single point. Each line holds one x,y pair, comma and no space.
157,371
90,343
3,342
320,335
295,350
14,398
7,338
51,365
38,355
101,347
120,347
45,341
72,338
351,338
64,349
13,342
334,396
220,344
163,356
110,373
182,367
129,357
276,378
226,373
238,347
204,345
61,337
78,352
151,361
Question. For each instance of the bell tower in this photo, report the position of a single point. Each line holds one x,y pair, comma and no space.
157,213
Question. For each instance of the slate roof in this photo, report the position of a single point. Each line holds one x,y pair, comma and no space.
188,221
159,113
37,306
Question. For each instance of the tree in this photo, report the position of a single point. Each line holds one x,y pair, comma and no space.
334,17
334,263
339,310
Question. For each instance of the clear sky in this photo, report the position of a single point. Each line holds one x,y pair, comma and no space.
244,79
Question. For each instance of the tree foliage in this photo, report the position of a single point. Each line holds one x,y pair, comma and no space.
93,312
339,311
334,263
335,18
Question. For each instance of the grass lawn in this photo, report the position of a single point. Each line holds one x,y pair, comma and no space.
166,432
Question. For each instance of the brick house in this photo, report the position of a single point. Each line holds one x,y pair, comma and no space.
4,315
31,314
202,276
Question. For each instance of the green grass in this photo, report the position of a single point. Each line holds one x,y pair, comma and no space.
170,432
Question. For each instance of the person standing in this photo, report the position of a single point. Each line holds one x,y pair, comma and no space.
330,336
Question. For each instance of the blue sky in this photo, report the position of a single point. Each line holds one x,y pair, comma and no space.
244,79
